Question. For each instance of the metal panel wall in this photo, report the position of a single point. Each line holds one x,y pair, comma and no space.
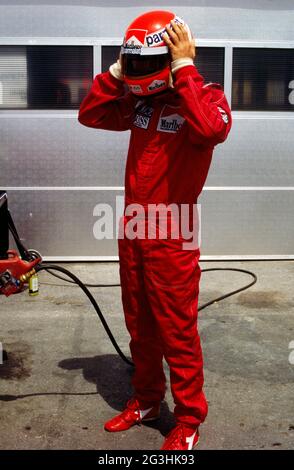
247,204
222,19
60,223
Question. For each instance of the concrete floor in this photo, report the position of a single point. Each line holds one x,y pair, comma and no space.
63,378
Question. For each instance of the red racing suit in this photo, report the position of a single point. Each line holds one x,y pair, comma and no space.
173,135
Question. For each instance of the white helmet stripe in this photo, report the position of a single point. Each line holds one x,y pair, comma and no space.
144,50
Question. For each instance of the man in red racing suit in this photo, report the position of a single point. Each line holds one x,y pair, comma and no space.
173,134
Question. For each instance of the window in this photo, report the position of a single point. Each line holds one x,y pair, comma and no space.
110,54
209,61
44,77
263,79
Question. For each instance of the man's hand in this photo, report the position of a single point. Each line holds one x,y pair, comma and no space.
116,69
178,41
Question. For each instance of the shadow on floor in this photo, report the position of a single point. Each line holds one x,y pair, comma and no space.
112,378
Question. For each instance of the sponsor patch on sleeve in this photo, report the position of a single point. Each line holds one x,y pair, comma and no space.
223,114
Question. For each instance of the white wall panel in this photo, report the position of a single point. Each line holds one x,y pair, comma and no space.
45,149
259,19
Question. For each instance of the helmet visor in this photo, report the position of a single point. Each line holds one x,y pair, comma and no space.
135,65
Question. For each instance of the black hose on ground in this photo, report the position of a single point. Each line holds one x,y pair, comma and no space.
75,280
93,302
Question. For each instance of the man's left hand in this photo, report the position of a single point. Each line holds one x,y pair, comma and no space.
178,41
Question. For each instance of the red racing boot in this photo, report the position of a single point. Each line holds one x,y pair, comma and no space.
132,415
181,437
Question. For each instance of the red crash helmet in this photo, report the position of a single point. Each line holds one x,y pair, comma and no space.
144,55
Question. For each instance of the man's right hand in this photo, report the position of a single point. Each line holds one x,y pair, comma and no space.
116,69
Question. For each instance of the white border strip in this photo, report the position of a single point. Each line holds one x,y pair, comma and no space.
121,188
55,114
31,113
111,41
78,259
248,188
250,115
63,188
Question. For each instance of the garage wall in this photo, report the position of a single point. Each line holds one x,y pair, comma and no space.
56,171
